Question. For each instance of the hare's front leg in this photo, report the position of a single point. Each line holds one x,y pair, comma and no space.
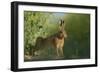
57,52
61,51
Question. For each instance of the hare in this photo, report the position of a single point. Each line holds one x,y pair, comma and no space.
55,41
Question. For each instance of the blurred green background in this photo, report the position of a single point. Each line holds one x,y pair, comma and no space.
44,24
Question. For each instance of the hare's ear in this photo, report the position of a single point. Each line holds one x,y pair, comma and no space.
61,25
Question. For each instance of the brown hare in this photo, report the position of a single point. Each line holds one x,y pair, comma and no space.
55,41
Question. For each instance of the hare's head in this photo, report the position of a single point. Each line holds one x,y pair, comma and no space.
62,32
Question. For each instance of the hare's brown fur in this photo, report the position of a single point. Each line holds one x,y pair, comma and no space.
55,41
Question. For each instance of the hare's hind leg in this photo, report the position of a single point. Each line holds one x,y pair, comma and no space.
33,52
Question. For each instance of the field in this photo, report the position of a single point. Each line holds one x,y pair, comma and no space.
45,24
